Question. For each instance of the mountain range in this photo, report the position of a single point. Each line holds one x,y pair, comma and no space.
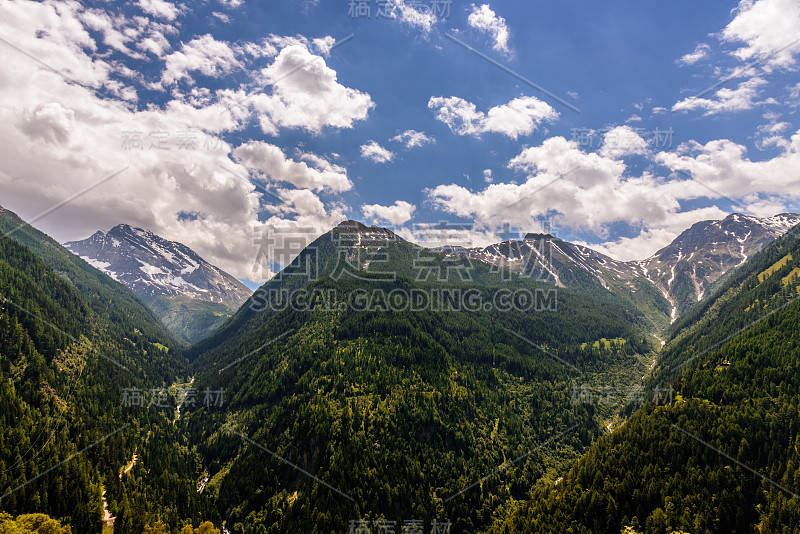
685,269
681,272
193,297
189,294
377,384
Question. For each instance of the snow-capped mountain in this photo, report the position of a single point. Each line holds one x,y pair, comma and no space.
545,256
549,259
191,296
154,267
667,283
685,268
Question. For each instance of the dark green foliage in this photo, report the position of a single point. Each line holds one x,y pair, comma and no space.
66,354
123,312
401,409
190,319
739,392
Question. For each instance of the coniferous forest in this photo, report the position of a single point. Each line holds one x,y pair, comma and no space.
326,418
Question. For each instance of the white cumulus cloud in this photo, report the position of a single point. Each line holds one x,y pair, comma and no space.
160,8
767,33
484,19
413,138
521,116
769,30
203,54
589,191
152,165
414,14
700,52
398,213
743,97
270,161
622,141
376,153
305,94
723,168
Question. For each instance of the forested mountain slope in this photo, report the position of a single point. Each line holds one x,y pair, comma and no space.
724,454
397,409
103,295
686,269
664,286
72,343
549,259
340,396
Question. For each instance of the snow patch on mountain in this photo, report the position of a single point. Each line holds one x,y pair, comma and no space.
681,271
154,267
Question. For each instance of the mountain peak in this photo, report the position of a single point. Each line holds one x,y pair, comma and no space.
350,224
127,229
154,267
685,268
355,228
681,272
533,236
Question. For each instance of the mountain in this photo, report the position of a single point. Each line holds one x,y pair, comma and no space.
373,379
685,269
664,286
103,295
720,452
189,294
72,342
550,259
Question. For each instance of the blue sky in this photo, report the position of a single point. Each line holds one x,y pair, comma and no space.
206,105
